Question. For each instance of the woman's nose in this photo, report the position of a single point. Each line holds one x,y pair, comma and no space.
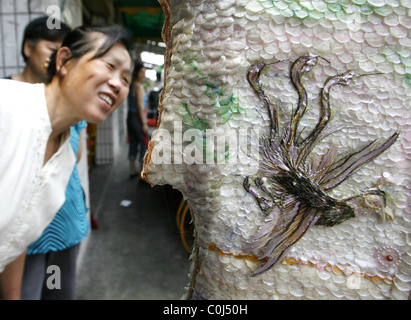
115,83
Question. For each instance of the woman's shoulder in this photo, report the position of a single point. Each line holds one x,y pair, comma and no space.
9,83
19,89
18,93
140,88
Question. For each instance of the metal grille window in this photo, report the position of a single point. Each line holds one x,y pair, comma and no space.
14,16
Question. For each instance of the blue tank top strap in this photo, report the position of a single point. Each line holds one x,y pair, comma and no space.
131,100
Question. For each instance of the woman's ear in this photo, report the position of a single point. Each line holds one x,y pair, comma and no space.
27,49
62,56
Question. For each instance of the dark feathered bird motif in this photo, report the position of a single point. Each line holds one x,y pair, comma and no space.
291,190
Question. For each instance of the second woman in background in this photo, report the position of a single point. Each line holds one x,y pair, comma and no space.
137,126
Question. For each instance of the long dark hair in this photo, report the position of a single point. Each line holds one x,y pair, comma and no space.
81,41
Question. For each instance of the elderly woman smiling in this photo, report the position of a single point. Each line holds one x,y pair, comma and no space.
89,77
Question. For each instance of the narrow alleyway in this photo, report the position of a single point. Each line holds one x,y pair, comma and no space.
136,253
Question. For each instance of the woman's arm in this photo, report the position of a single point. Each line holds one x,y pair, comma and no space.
11,279
140,101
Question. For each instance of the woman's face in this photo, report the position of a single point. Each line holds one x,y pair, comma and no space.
95,88
38,55
141,75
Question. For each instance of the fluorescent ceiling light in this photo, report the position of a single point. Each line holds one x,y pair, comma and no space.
151,74
152,58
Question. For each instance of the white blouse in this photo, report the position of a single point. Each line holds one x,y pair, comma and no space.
30,193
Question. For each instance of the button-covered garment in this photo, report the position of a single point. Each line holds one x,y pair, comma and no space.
30,193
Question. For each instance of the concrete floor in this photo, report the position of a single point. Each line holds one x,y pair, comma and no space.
137,252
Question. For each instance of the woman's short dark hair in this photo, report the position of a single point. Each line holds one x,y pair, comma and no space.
37,30
81,41
138,65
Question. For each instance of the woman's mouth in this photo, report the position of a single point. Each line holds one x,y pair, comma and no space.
106,98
